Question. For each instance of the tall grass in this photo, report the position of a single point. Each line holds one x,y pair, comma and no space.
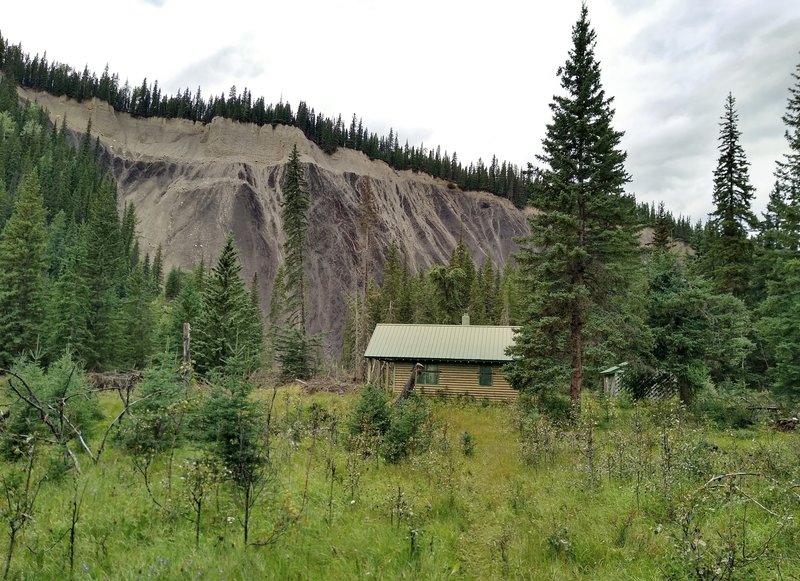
644,507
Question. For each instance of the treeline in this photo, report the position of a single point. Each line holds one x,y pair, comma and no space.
440,295
677,228
146,100
73,277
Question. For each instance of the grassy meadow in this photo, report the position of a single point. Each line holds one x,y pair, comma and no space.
489,492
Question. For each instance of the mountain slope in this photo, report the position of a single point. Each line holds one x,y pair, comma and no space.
193,183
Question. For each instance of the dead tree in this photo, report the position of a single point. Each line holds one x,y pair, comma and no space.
410,383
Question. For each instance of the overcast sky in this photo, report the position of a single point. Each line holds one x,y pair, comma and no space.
473,77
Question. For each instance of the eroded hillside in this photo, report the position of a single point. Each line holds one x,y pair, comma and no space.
193,183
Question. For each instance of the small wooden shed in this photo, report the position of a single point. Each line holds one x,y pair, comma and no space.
611,379
458,360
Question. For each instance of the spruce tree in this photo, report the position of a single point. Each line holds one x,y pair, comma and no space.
296,203
6,203
227,327
582,247
23,266
136,321
186,308
292,347
105,269
787,173
174,283
778,329
730,251
157,273
661,237
69,309
780,254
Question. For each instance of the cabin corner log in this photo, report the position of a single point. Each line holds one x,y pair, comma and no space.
410,383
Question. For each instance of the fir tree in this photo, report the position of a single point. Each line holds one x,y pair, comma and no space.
136,321
292,346
174,283
778,329
661,237
23,265
157,273
697,335
227,328
294,213
105,268
729,248
787,173
582,247
6,203
69,308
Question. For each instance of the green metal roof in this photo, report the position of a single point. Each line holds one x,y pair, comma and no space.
615,369
440,342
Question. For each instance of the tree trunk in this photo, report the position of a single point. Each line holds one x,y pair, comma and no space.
684,392
576,347
410,383
11,542
199,505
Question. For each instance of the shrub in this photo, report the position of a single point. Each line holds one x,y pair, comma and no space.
725,410
404,433
467,444
64,390
371,414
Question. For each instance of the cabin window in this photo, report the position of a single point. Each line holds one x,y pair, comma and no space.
485,375
430,375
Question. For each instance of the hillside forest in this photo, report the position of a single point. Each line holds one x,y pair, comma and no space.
260,457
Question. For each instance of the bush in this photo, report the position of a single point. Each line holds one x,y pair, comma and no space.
63,388
467,444
371,415
725,410
404,434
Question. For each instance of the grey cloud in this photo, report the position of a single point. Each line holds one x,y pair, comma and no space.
232,65
689,61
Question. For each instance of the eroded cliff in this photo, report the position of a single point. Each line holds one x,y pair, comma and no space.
193,183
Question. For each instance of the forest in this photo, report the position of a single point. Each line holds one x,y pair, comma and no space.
254,456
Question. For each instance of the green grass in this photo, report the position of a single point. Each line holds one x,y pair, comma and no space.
439,514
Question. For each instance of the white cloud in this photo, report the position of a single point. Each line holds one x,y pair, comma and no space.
474,77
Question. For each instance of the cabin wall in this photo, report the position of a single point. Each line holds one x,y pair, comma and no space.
457,379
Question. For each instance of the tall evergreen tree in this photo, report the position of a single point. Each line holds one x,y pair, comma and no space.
6,203
157,272
780,254
69,307
296,204
698,335
787,173
23,266
582,246
661,237
778,329
292,346
105,268
730,251
137,321
226,328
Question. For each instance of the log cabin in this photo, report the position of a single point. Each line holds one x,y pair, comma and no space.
457,360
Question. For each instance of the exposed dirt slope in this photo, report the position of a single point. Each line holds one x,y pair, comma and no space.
193,183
